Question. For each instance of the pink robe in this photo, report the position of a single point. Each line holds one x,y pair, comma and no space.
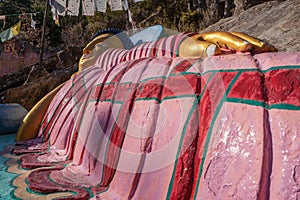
147,124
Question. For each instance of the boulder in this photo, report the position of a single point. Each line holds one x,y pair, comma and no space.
11,116
31,92
275,22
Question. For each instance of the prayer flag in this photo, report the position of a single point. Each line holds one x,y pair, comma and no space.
33,23
16,29
3,17
60,6
73,7
100,5
125,5
116,5
11,32
88,7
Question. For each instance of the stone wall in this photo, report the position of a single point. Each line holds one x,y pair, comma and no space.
15,56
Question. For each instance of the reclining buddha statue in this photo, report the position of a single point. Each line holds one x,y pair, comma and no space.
209,115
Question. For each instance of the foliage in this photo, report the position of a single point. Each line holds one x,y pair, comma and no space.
76,31
75,36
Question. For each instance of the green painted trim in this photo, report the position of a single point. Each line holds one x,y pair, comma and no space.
209,71
187,73
106,100
90,192
44,195
194,106
283,106
205,86
6,166
12,186
167,98
19,165
163,77
148,99
183,133
179,97
170,75
255,69
12,194
153,78
247,101
230,70
75,101
32,191
208,137
35,193
114,83
282,67
192,65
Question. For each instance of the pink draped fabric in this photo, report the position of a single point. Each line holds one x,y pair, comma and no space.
147,124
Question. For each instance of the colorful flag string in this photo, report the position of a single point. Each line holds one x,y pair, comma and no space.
10,32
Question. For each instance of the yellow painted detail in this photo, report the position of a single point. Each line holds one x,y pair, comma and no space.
32,121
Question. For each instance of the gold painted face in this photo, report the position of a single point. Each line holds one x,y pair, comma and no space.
96,47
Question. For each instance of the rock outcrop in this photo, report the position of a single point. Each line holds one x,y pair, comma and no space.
15,89
275,22
30,93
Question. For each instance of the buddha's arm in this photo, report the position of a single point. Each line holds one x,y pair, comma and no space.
215,43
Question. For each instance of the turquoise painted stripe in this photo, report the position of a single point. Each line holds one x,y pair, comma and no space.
113,83
192,65
282,67
183,134
283,106
210,71
106,100
12,194
166,98
255,69
120,109
205,86
194,106
222,70
210,130
206,72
